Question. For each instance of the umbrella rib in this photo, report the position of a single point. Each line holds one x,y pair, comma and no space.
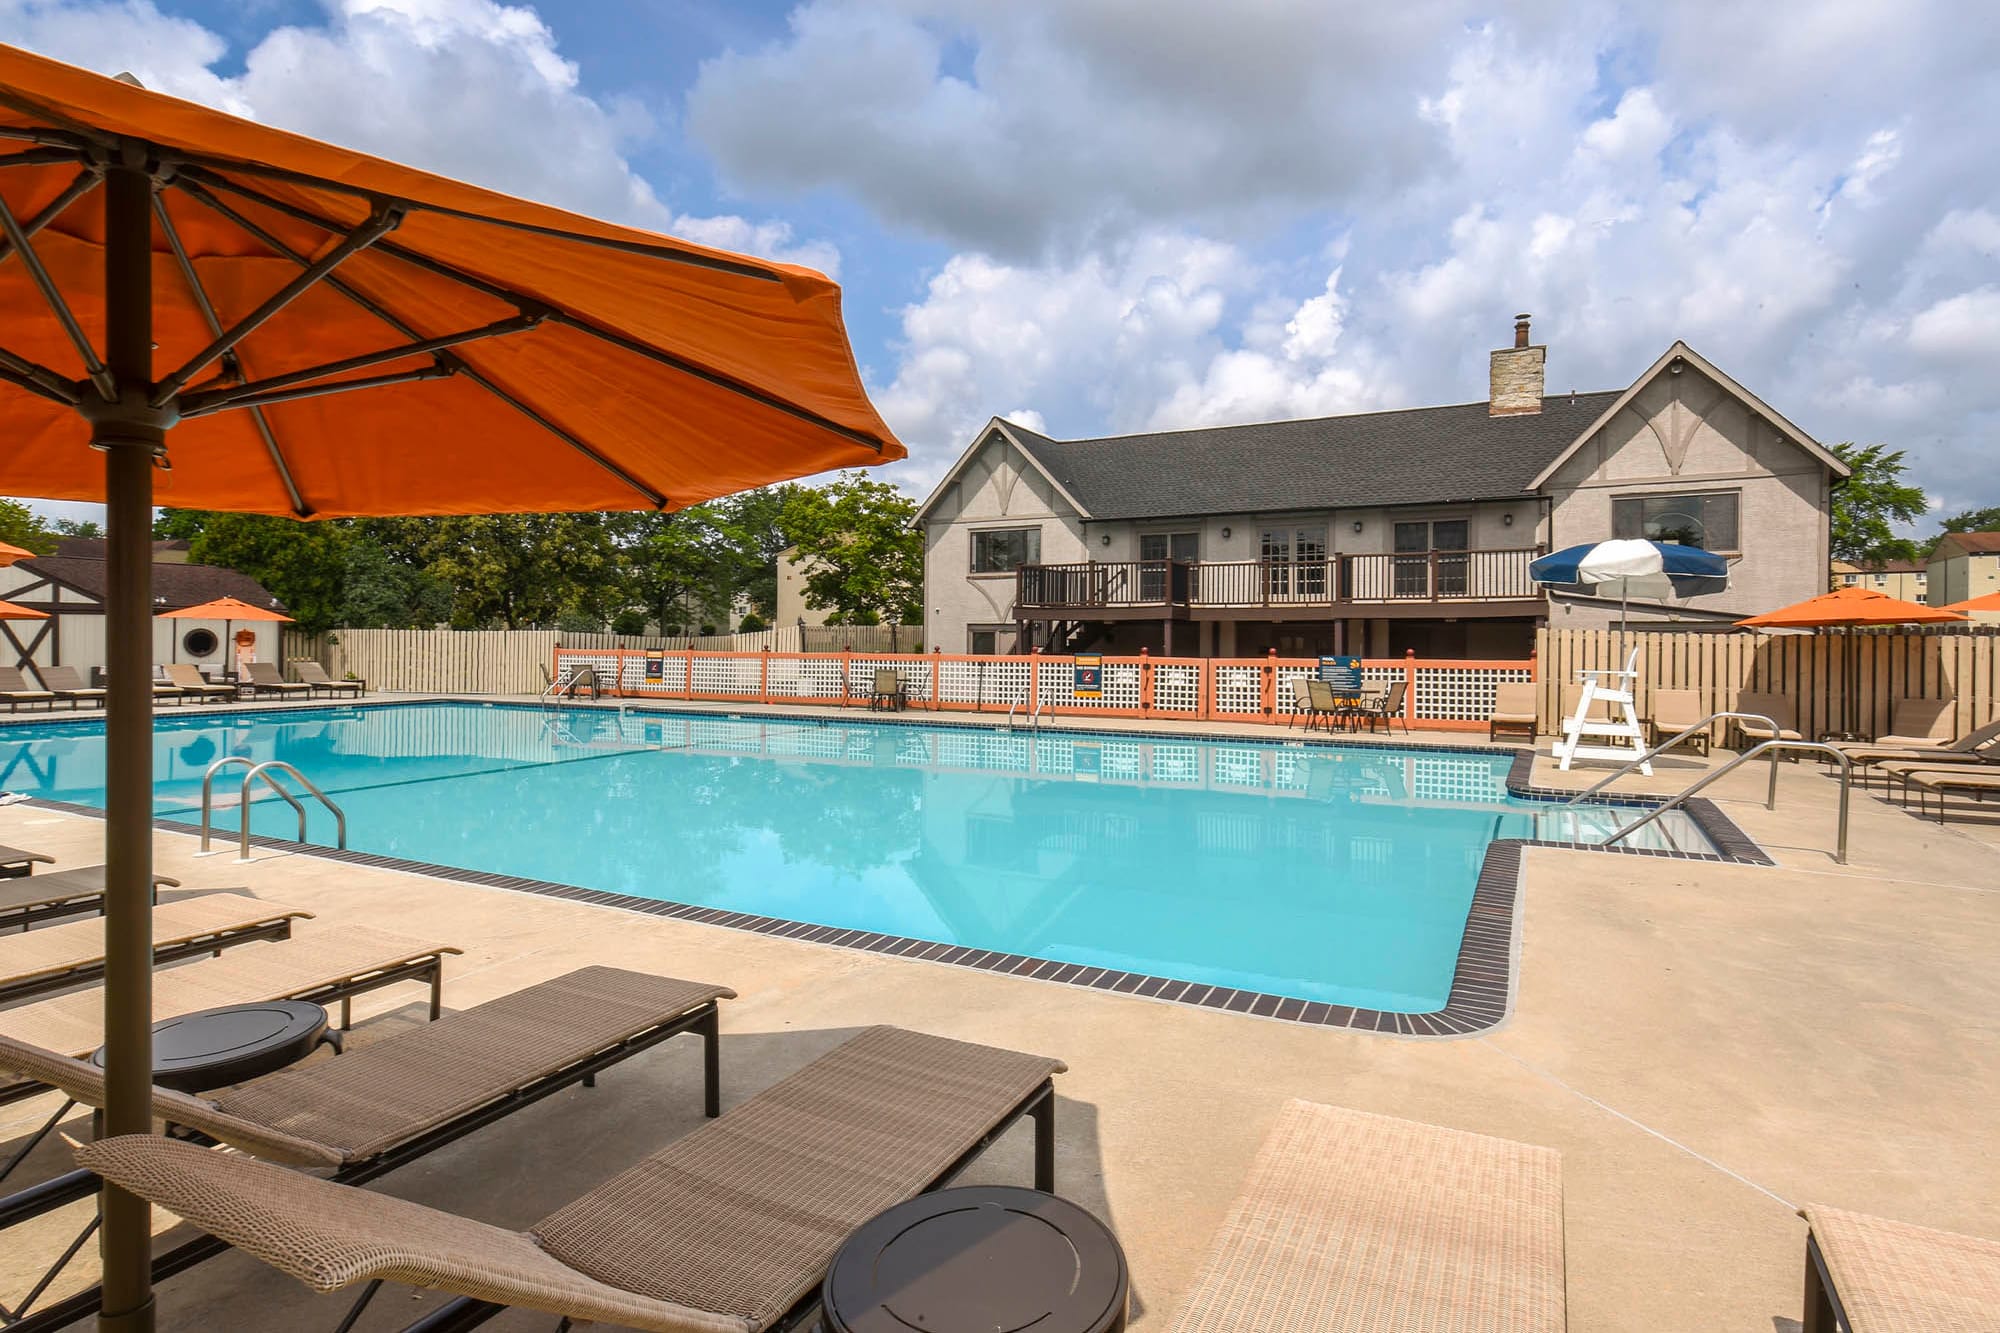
672,254
339,285
199,404
257,418
100,374
37,378
86,181
380,222
438,370
31,384
498,292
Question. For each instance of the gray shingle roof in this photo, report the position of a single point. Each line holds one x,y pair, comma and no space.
174,586
1424,455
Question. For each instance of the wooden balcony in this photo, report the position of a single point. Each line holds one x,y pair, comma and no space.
1404,583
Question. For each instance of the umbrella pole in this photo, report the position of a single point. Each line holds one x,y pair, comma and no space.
131,434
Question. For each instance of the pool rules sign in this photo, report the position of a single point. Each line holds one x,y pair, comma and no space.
1089,683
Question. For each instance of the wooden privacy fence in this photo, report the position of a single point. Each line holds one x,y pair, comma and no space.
1441,695
1832,677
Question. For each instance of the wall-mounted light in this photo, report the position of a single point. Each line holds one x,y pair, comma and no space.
1506,520
1225,534
1357,525
1105,539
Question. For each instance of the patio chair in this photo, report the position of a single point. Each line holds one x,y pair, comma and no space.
1352,1221
14,688
1777,707
1513,711
60,893
1976,780
1975,746
387,1103
1302,705
1916,721
1674,711
313,674
1868,1274
1325,704
35,962
15,863
188,676
889,691
66,684
264,679
727,1229
317,964
1385,708
583,679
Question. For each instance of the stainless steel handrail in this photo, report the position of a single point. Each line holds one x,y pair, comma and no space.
1676,739
208,795
263,771
1681,797
1012,706
1035,717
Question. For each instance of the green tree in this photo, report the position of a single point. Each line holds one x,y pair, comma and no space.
80,527
518,570
23,527
1972,520
867,555
303,565
1868,504
385,593
629,621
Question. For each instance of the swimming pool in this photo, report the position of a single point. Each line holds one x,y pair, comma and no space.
1340,874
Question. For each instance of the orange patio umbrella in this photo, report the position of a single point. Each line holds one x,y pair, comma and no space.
1990,602
228,610
205,312
15,611
1849,609
9,553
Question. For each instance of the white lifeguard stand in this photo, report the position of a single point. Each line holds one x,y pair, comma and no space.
1586,736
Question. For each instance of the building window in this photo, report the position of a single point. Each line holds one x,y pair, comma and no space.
982,643
1003,550
1704,518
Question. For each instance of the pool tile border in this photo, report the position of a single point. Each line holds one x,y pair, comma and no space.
1483,979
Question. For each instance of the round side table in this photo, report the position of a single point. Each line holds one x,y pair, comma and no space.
213,1048
982,1259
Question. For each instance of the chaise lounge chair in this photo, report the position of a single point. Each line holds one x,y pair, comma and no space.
728,1229
1353,1222
313,674
387,1103
1513,711
264,679
59,893
1977,780
188,677
1778,708
1971,748
14,863
14,688
35,962
1674,711
1871,1275
66,684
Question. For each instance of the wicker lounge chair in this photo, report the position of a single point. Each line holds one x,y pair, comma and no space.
321,965
1353,1222
385,1104
889,691
66,684
14,862
188,677
1513,711
313,674
1976,780
16,690
1871,1275
1674,711
35,962
264,679
59,893
726,1230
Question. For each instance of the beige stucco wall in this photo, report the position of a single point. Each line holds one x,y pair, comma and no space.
1488,529
1958,576
1909,585
792,608
997,488
1685,432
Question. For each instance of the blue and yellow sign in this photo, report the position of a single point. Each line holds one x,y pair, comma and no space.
1089,676
656,665
1342,673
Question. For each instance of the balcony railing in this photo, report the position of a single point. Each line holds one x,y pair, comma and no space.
1340,580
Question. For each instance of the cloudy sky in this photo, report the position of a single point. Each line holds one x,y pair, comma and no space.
1113,215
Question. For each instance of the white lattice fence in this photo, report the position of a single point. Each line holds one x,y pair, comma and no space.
1177,687
1239,689
1462,693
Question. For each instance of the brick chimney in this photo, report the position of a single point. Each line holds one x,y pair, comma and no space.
1516,375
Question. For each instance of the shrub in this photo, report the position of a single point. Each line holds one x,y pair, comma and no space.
752,623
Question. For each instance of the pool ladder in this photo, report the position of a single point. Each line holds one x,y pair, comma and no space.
1772,747
1034,714
263,770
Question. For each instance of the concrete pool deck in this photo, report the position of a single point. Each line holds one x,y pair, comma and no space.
1707,1045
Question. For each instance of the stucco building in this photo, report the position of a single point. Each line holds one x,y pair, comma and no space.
1906,579
1962,566
1377,532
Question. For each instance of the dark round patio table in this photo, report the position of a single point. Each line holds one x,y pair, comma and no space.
980,1259
213,1048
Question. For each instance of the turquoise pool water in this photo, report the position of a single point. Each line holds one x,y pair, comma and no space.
1328,873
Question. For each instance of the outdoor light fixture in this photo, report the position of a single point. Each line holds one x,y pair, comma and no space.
1105,539
1225,534
1506,520
1357,525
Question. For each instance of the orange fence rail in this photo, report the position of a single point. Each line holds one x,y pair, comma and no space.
1446,695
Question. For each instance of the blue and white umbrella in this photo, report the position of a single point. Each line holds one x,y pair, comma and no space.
1636,568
